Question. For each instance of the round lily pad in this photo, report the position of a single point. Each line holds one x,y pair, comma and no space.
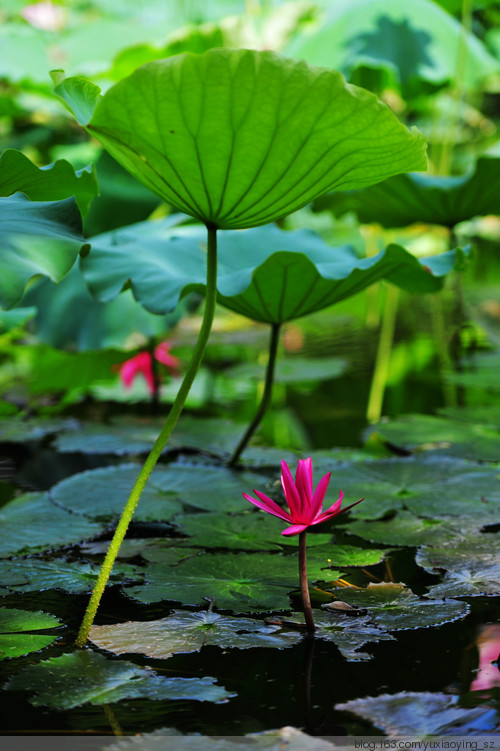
14,625
189,632
88,677
405,529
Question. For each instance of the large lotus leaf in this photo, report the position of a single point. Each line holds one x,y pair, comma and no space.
189,632
423,715
36,238
67,316
88,677
265,273
34,575
405,529
458,437
14,625
31,522
240,582
128,435
52,183
396,608
101,493
432,485
239,138
405,199
407,44
24,57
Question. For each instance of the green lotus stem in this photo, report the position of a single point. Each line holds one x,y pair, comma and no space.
266,396
381,371
304,588
161,441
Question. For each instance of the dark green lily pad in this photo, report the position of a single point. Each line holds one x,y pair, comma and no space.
396,608
321,558
471,567
405,529
35,575
430,485
16,430
243,582
161,549
240,138
405,199
456,437
249,531
52,183
32,522
134,436
266,274
87,677
188,632
469,581
422,715
37,238
102,493
14,641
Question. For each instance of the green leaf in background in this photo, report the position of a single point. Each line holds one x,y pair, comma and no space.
422,715
16,430
24,57
241,582
479,373
456,435
407,44
49,526
293,369
34,575
100,493
406,529
406,199
52,183
36,239
14,641
396,608
88,677
188,632
265,273
239,138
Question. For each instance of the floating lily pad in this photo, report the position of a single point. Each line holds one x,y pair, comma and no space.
294,370
87,677
405,529
250,531
32,522
134,436
405,199
396,608
239,138
469,581
102,493
422,715
471,567
321,558
16,430
267,274
160,549
37,238
256,582
14,641
52,183
34,575
454,436
431,485
189,632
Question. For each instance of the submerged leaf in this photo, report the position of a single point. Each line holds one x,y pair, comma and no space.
14,642
239,138
188,632
87,677
422,715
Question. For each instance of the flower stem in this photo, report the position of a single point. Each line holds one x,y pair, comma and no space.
266,396
161,441
304,589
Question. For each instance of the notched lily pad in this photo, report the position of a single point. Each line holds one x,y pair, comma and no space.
49,526
395,608
102,493
15,641
188,632
35,575
87,677
422,715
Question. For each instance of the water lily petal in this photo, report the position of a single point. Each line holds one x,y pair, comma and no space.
319,495
294,530
267,504
304,483
291,494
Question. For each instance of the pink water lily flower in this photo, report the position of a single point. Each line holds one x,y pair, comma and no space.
143,364
305,504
